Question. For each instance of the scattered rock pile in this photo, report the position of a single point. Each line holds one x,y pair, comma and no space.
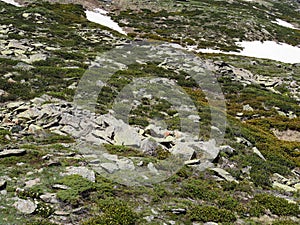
46,114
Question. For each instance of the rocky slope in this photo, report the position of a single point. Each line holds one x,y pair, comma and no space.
97,127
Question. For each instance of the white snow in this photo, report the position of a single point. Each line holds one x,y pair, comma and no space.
12,2
267,50
284,24
99,16
271,50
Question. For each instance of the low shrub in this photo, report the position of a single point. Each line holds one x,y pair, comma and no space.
79,187
278,206
211,213
113,212
198,189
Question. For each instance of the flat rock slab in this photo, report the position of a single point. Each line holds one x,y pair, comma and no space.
224,174
12,152
284,187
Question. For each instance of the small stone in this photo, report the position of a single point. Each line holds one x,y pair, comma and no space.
53,163
49,198
248,108
141,163
227,149
47,157
61,213
78,211
192,162
178,211
257,152
60,186
2,184
26,15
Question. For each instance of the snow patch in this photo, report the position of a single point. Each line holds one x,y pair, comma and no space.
284,24
267,50
12,2
99,16
270,50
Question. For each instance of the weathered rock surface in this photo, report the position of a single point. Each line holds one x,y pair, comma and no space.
25,206
224,174
60,117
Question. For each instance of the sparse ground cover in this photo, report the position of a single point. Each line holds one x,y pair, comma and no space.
71,42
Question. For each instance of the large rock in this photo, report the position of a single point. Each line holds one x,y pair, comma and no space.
149,146
14,105
184,150
284,187
35,57
126,135
190,150
297,186
109,167
125,164
25,206
68,119
34,129
12,152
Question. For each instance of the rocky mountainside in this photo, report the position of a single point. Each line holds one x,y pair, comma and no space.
149,112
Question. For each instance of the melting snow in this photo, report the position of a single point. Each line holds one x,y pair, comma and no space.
12,2
99,16
284,24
